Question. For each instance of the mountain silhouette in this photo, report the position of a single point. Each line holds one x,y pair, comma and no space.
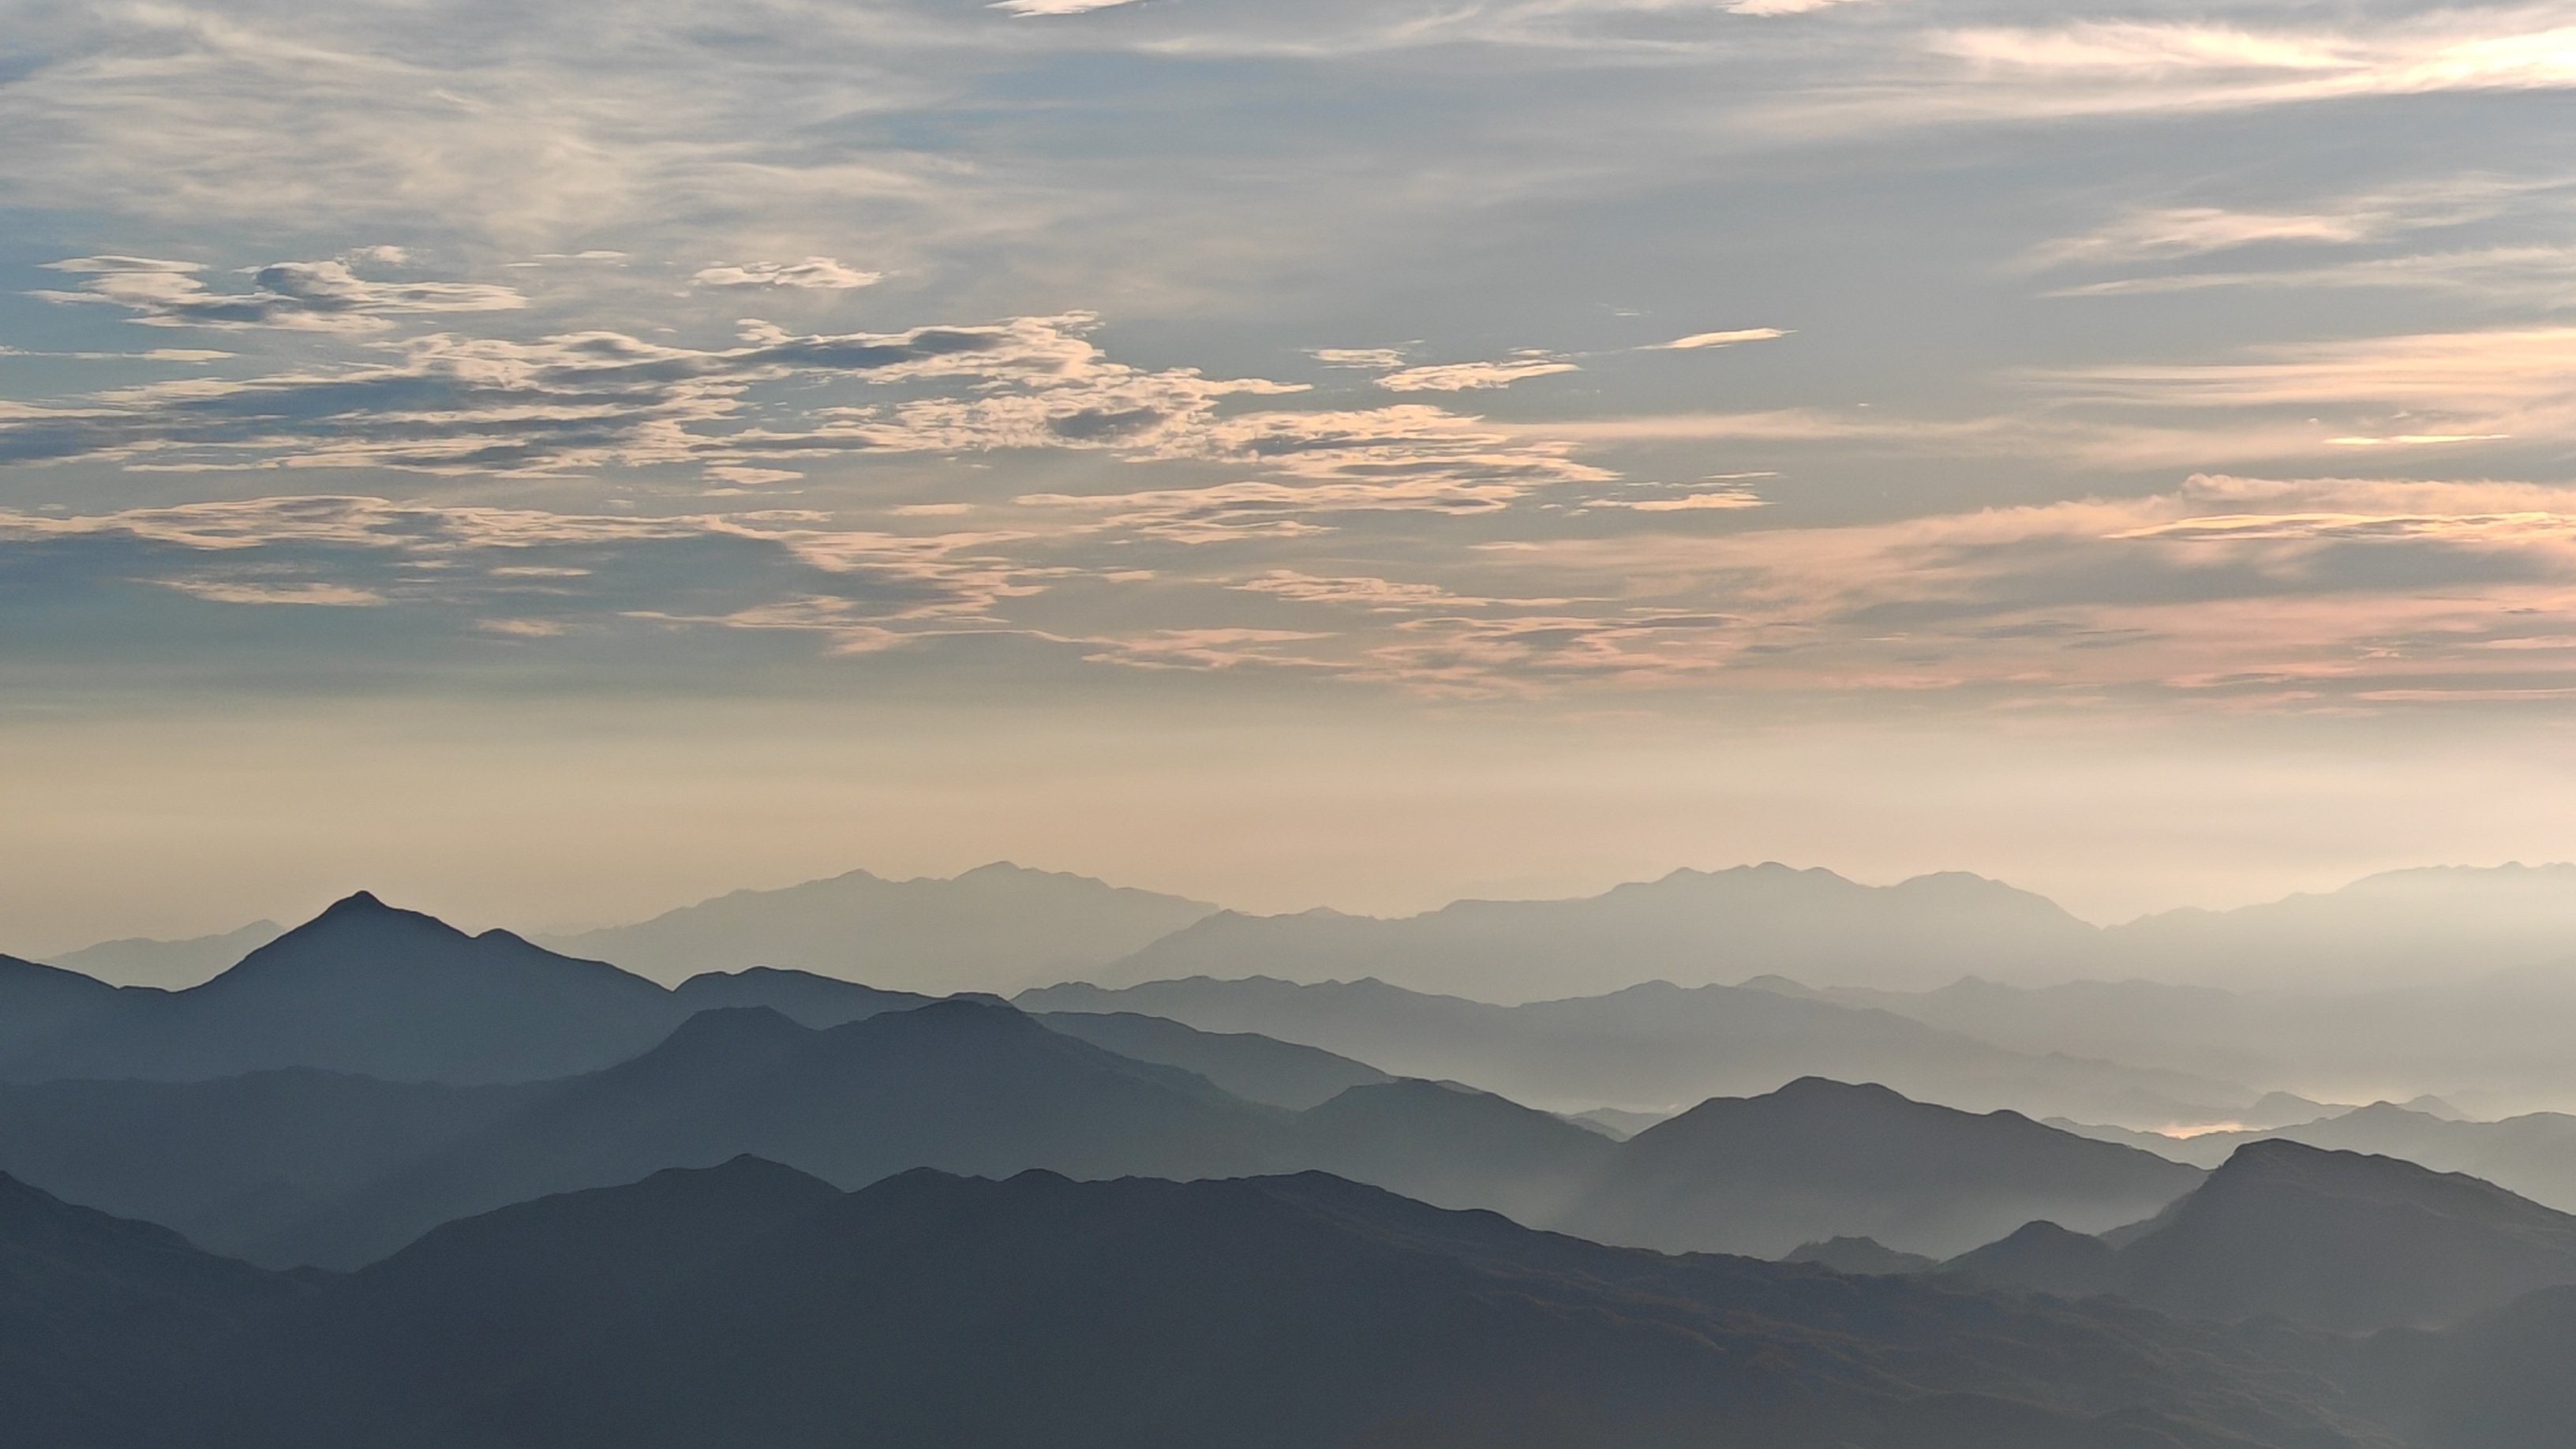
728,1305
1694,927
39,1002
1654,1045
2532,1156
1454,1146
2345,1241
2042,1257
371,989
169,965
233,1161
107,1325
1818,1158
1249,1065
999,927
967,1086
1863,1257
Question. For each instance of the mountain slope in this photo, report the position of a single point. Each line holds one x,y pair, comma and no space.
365,988
1693,927
1653,1046
1820,1159
230,1162
2345,1242
960,1085
1256,1068
39,1002
106,1325
1453,1146
169,965
996,928
1282,1313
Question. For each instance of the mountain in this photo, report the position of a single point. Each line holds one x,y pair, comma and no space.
2491,1041
2532,1156
2042,1257
234,1161
1692,927
1454,1146
2428,926
170,965
800,996
1250,1066
961,1085
1655,1046
1817,1158
107,1325
368,989
999,927
2345,1241
738,1304
38,1002
1860,1257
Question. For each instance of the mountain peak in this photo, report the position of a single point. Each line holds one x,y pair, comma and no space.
356,903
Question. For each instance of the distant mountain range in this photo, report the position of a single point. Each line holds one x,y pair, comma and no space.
1658,1046
2416,927
1003,928
998,928
2493,1043
171,965
746,1304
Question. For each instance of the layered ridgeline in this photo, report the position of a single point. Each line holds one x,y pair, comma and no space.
2533,1155
2334,1240
303,1166
1659,1046
2422,927
2491,1044
389,993
748,1304
997,928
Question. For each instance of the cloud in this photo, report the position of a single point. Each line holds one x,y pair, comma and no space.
321,296
533,574
1057,7
1363,357
812,274
1698,340
1463,376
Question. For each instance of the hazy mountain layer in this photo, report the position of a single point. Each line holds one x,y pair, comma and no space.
1692,927
171,965
1658,1046
742,1304
2533,1156
2422,927
1250,1066
2336,1240
1762,1175
2494,1043
996,928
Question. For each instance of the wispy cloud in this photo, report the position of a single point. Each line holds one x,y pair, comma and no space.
325,295
1465,376
1698,340
815,274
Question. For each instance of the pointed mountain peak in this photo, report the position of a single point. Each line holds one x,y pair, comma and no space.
357,903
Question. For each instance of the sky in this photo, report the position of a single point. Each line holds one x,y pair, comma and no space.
551,463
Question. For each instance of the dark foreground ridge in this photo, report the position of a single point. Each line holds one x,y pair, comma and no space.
748,1304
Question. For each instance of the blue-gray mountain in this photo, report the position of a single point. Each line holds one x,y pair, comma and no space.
748,1304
